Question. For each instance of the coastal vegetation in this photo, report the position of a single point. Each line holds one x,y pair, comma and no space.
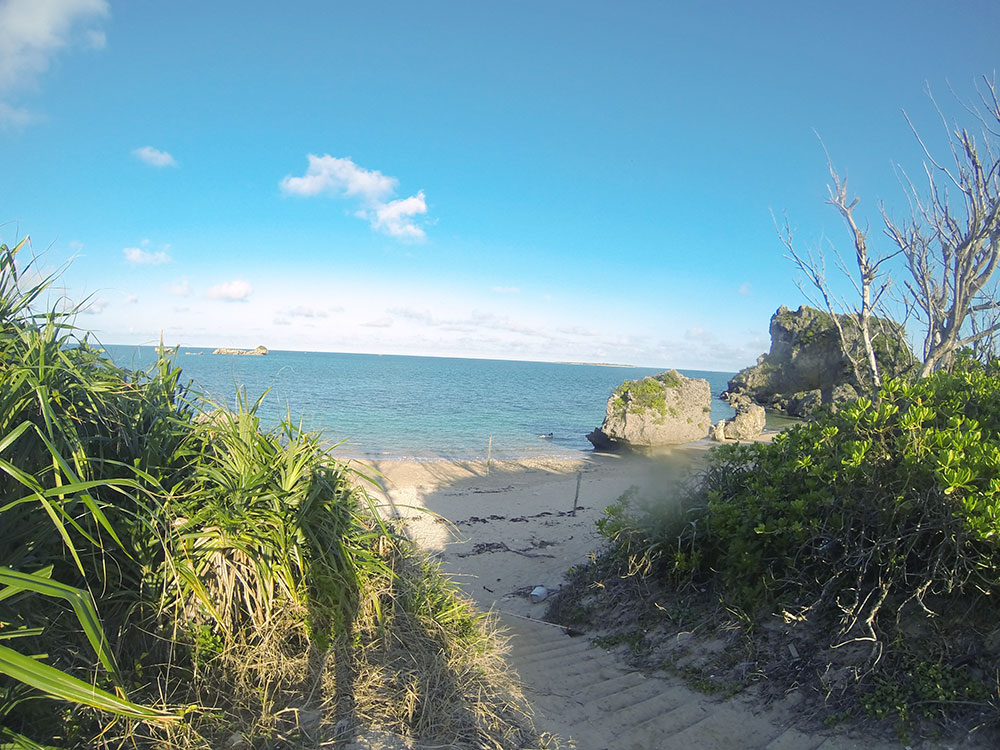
868,539
173,575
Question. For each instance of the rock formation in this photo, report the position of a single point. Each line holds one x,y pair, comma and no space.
807,365
665,409
747,424
260,351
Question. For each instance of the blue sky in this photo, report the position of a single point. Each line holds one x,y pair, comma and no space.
549,181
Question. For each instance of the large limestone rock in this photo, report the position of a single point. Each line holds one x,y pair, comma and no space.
747,424
665,409
807,366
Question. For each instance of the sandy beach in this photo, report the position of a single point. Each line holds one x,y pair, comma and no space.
503,533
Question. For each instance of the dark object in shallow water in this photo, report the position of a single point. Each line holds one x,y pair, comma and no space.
546,437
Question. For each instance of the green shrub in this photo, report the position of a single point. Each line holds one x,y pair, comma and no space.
877,524
646,395
899,496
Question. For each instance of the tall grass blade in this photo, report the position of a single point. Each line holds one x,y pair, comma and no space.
81,601
20,742
60,685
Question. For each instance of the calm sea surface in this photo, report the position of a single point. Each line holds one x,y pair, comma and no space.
385,406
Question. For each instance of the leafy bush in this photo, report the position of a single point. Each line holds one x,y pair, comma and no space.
875,526
894,499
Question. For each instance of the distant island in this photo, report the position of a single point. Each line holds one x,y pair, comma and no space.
594,364
260,351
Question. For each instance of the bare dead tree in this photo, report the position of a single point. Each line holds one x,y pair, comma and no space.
871,282
953,249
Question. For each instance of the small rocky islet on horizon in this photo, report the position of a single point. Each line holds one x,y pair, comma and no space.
807,367
260,351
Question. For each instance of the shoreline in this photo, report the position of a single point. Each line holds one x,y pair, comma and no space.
515,519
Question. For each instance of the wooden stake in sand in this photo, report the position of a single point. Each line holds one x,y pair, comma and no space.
576,497
489,455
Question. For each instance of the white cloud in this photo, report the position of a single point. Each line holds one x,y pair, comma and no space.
154,157
181,288
139,257
506,290
131,299
342,178
231,291
380,323
393,218
33,32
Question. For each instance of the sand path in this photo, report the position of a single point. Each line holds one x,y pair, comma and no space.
502,534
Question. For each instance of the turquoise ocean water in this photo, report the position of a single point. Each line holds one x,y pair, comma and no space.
387,406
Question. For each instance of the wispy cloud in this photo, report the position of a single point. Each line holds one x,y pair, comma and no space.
34,31
231,291
746,289
380,323
17,117
181,288
131,299
139,257
476,322
506,290
154,157
341,178
95,307
304,311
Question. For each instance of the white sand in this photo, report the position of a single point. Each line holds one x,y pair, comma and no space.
501,534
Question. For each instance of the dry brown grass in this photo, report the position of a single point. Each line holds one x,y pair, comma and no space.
419,664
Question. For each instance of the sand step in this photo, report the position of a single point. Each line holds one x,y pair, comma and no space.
670,711
541,639
843,743
626,699
567,655
793,739
727,726
612,684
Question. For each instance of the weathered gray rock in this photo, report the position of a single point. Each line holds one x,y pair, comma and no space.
719,431
807,365
666,409
804,403
747,424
